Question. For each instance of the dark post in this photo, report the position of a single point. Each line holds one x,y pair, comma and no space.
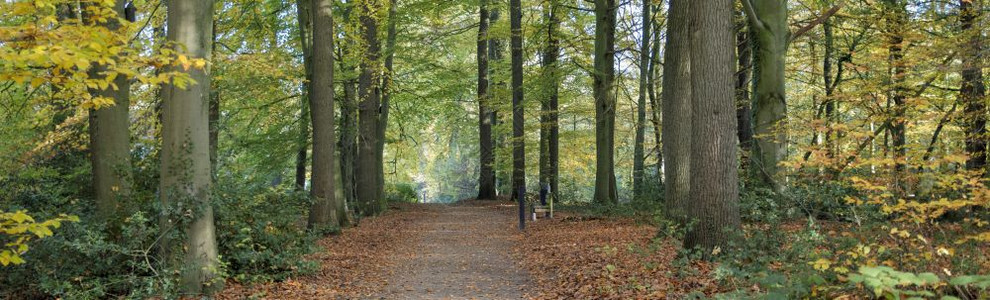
544,192
522,207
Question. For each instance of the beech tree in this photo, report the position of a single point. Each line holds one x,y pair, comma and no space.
326,209
109,135
604,89
185,171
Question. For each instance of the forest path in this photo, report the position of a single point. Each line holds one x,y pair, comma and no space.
462,252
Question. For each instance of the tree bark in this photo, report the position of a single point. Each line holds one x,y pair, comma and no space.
518,139
185,145
714,178
972,92
486,177
109,139
304,16
639,159
604,76
768,26
549,130
676,97
369,188
326,210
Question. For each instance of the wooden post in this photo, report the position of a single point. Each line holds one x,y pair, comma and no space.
522,207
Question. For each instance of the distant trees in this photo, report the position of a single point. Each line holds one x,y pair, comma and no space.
185,169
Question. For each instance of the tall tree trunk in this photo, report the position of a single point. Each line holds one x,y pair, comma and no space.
214,115
109,139
896,18
829,86
304,16
972,92
518,139
604,88
349,113
639,159
676,97
486,177
326,209
714,177
386,88
185,145
654,105
369,188
496,90
549,130
768,27
743,112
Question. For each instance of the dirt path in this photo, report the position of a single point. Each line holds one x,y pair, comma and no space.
462,252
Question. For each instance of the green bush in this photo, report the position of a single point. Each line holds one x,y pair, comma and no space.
401,192
261,232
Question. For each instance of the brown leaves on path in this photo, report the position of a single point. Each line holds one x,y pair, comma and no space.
580,258
354,264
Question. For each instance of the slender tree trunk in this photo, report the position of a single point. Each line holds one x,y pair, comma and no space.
743,112
654,105
185,147
829,87
214,111
369,189
518,140
770,33
639,159
676,97
604,75
109,140
386,88
896,18
304,16
549,130
349,114
326,209
714,178
486,177
972,92
496,90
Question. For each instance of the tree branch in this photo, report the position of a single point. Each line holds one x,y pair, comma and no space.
821,19
751,14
